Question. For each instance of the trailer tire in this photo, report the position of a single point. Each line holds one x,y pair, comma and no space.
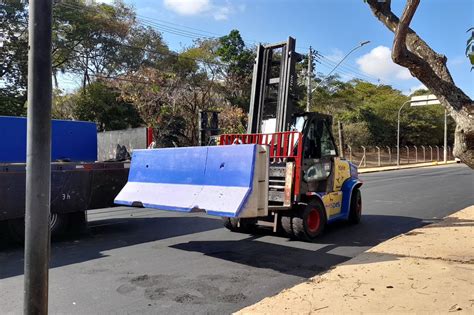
246,224
58,227
355,212
310,221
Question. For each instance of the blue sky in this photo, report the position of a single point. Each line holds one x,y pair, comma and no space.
333,27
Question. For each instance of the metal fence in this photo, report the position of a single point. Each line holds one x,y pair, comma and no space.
386,155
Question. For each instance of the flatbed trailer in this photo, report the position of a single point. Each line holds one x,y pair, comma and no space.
78,181
75,188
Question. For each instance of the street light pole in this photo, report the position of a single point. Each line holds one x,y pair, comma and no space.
38,158
398,132
341,61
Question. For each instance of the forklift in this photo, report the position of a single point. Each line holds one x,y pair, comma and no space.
285,172
309,184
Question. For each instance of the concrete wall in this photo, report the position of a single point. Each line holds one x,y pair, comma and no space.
131,138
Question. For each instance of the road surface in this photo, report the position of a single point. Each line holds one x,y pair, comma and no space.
145,261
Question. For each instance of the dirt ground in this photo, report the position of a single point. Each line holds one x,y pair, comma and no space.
427,270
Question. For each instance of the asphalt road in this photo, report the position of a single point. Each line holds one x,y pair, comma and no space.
144,261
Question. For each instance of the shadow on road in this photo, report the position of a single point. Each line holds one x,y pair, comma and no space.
106,235
328,252
339,243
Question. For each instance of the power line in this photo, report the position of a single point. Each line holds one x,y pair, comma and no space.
160,26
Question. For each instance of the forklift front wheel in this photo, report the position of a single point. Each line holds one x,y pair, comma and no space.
355,211
310,222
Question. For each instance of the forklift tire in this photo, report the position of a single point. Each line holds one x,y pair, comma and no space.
355,211
246,224
310,221
286,225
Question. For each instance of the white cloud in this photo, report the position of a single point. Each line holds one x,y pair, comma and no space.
221,13
195,7
188,7
378,63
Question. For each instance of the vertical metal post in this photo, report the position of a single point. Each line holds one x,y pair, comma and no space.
445,153
364,158
38,158
341,139
398,132
309,73
437,153
431,153
350,153
424,156
408,154
416,154
378,156
389,155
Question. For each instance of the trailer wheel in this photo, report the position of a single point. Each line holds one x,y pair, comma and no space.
310,221
246,224
58,225
355,212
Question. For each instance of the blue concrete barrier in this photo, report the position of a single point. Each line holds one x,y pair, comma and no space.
215,179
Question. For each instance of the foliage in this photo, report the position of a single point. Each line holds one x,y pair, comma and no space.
238,68
369,113
100,103
11,104
232,119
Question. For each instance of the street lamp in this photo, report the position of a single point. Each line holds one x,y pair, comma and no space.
337,65
420,100
398,132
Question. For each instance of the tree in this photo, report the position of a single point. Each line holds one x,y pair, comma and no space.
237,70
13,57
102,104
413,53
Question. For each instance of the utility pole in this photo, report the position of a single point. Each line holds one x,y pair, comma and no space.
309,73
38,158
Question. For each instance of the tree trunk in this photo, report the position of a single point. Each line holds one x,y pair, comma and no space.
411,52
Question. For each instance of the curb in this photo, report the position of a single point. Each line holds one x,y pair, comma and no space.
395,168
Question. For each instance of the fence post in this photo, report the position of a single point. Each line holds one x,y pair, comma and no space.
408,154
378,155
364,159
416,154
431,153
423,147
449,150
350,153
389,155
437,153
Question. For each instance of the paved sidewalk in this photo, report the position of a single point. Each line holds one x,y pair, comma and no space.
405,166
427,270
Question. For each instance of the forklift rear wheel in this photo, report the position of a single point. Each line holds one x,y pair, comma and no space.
310,221
246,224
286,225
355,212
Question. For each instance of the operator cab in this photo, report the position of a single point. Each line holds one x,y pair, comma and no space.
319,150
